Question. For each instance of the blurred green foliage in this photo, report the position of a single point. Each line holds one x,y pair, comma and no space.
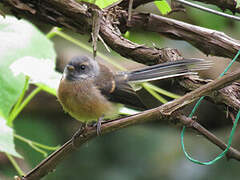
238,3
100,3
163,6
6,139
207,19
38,128
144,153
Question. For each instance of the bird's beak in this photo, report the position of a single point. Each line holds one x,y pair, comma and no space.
70,68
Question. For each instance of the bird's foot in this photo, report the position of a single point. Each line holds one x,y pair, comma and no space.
78,133
98,125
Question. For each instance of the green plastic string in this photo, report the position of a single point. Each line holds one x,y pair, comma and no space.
221,155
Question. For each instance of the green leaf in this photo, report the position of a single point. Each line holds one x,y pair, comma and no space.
100,3
18,39
238,4
41,72
10,89
104,3
6,139
163,6
128,111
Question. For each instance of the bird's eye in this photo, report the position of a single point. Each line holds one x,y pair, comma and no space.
82,67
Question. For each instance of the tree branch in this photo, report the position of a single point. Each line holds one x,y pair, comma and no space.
208,135
208,41
168,112
229,95
139,53
78,17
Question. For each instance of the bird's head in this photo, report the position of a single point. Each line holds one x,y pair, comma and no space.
81,67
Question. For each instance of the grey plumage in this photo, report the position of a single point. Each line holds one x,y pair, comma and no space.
167,70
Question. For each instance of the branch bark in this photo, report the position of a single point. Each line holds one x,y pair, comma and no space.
78,17
131,50
210,42
229,95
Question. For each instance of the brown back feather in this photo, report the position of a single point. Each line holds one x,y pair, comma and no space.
117,90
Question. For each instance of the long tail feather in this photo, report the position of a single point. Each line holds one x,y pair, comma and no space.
167,70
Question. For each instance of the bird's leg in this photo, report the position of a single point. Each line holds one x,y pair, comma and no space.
99,123
78,133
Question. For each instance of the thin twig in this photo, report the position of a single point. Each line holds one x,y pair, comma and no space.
210,136
208,10
223,4
130,10
97,16
105,45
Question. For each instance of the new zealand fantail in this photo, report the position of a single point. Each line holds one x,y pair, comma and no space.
89,91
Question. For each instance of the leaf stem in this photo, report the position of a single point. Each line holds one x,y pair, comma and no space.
162,91
16,106
35,143
52,32
15,165
24,103
154,94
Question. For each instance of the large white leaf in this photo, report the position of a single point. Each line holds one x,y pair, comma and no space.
6,139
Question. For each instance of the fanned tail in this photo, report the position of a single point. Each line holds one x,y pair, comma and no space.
167,70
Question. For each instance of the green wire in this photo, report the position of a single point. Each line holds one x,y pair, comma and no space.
220,156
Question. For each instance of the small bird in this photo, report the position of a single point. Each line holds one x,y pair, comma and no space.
90,91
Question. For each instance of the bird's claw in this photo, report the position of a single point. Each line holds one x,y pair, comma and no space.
78,133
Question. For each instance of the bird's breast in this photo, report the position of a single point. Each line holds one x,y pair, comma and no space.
83,101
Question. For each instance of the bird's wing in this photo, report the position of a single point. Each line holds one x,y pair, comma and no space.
117,90
125,94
